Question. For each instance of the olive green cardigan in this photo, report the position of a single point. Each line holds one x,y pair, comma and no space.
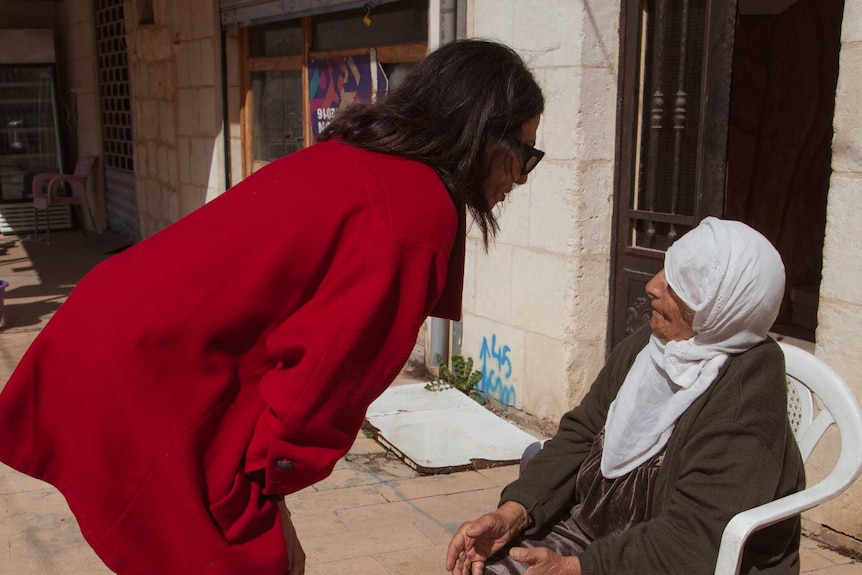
732,450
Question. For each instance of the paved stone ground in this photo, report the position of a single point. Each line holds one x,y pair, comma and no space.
373,516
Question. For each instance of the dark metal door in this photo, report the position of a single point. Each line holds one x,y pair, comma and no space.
676,60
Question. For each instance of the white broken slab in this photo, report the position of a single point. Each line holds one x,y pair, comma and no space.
443,431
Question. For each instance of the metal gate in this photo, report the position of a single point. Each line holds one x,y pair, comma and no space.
676,61
116,118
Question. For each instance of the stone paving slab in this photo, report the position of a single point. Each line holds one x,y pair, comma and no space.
422,560
358,566
815,558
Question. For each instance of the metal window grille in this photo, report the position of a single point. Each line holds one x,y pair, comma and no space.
664,205
114,92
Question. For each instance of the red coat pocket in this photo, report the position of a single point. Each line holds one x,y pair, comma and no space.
244,513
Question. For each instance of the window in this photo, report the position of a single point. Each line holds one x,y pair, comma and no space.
277,129
285,61
391,24
279,39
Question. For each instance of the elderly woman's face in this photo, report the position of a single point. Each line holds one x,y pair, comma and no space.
505,174
668,320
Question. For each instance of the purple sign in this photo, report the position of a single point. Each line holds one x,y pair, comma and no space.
335,83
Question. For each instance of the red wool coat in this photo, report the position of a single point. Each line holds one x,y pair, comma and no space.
232,357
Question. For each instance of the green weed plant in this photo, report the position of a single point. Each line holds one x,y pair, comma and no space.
460,377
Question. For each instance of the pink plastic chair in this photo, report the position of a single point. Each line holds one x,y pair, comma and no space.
43,198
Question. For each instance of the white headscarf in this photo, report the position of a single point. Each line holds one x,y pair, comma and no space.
733,280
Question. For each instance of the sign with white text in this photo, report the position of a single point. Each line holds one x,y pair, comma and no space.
336,83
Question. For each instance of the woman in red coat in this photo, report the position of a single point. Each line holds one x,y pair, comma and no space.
192,381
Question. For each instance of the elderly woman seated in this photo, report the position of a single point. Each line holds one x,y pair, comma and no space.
684,427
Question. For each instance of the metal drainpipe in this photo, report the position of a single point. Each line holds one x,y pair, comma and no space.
449,12
448,21
225,111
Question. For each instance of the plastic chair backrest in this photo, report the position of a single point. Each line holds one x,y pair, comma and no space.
806,374
84,166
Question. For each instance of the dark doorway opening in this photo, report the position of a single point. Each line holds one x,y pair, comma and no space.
779,155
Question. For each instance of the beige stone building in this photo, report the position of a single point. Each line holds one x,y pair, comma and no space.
659,112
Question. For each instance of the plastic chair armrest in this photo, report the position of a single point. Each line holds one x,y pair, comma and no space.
39,184
743,524
74,182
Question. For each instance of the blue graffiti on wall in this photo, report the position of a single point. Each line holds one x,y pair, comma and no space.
496,371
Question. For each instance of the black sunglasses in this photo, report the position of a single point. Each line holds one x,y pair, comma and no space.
532,157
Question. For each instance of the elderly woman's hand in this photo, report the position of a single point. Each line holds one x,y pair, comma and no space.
477,540
543,561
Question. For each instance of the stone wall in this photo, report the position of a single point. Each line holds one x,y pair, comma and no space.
840,311
177,107
535,305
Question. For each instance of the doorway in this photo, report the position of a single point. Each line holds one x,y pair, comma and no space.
779,149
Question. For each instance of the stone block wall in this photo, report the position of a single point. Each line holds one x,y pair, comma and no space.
840,311
177,106
535,305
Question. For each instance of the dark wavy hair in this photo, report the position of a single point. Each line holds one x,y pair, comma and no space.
459,109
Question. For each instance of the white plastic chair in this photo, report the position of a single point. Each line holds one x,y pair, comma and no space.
805,374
